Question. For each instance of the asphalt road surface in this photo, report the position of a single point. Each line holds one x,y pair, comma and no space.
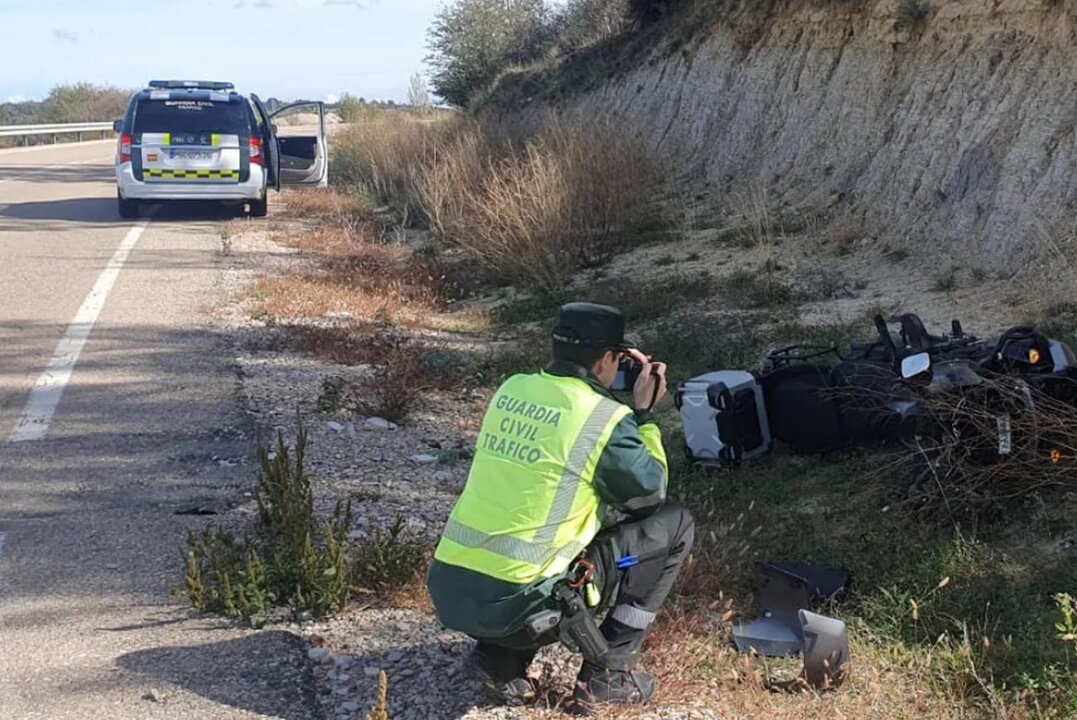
118,412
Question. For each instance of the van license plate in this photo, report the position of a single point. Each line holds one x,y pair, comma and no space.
192,154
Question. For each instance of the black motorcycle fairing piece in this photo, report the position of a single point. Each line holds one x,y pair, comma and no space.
801,408
1021,350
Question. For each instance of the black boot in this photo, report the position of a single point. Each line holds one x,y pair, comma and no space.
613,681
503,673
597,685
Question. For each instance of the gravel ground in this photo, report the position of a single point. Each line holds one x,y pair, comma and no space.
415,470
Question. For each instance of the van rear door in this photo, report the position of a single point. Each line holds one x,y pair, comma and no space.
185,137
267,134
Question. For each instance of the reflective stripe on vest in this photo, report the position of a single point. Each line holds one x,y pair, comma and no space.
523,555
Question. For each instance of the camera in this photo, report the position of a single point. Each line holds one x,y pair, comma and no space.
627,373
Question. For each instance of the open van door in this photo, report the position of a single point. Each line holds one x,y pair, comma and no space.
300,135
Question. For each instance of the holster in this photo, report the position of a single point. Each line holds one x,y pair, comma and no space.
573,622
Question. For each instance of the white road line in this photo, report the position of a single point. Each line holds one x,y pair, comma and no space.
56,167
49,388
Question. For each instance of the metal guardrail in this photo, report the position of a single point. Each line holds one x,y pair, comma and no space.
26,131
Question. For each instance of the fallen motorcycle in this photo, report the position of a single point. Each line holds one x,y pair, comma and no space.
814,399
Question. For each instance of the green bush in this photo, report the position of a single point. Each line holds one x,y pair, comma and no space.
352,109
290,559
389,559
84,102
472,41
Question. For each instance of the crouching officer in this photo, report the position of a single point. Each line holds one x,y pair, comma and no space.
564,509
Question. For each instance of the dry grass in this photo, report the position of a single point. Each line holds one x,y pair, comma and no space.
690,650
527,210
356,277
413,596
387,156
1053,265
570,197
229,232
322,204
759,220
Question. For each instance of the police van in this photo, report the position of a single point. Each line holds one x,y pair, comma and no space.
197,140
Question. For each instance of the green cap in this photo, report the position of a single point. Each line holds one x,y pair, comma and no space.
590,325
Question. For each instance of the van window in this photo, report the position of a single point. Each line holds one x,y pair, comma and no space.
191,116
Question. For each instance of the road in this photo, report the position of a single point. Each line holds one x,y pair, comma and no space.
148,425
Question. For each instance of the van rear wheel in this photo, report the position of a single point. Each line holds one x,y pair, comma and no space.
128,209
260,207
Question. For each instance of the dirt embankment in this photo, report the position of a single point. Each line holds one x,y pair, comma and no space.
949,126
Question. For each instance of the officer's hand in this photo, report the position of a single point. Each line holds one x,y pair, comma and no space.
652,374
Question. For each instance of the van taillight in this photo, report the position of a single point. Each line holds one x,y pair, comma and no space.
125,149
255,146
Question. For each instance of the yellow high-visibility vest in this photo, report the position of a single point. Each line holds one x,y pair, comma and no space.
529,507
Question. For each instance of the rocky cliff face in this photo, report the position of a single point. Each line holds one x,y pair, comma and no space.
954,131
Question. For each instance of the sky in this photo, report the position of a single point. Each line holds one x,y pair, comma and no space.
314,49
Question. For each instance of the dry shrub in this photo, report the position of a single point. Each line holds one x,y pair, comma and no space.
344,344
569,196
529,210
961,471
400,383
390,559
387,155
413,595
453,176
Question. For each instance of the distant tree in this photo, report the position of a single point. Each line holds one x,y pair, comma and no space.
352,109
22,113
472,41
84,102
419,93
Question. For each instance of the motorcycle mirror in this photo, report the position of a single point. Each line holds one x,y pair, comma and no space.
915,365
826,649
